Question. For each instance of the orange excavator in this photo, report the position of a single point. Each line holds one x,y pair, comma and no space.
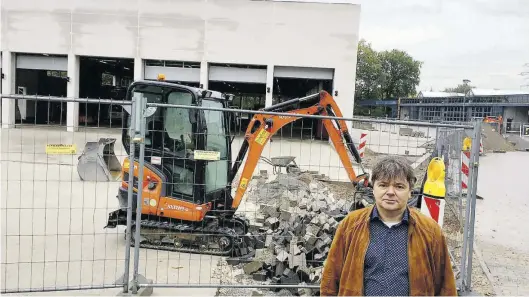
187,201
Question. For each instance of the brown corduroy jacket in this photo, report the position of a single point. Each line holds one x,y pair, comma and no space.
430,269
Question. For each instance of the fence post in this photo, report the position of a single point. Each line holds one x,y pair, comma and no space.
128,231
437,131
468,234
139,137
460,175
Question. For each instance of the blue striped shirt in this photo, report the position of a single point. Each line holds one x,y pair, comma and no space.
386,260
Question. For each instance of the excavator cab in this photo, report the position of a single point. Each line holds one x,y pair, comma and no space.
187,151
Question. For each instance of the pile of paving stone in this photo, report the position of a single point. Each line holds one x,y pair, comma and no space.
293,230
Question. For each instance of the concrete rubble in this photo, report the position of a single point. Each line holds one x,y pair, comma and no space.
293,230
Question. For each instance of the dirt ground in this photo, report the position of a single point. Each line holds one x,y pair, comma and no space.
493,141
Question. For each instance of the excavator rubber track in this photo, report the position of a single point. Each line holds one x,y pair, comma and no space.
147,226
212,230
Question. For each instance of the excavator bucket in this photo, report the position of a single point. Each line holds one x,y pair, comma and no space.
98,162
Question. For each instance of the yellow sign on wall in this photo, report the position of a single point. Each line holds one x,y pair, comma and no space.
61,149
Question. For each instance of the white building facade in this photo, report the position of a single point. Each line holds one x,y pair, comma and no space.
285,39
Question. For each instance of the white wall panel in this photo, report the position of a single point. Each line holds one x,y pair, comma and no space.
112,35
35,31
298,34
172,30
227,31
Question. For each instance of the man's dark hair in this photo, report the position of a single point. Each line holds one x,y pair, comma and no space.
391,168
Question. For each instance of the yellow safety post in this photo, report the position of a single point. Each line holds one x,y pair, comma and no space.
467,143
434,191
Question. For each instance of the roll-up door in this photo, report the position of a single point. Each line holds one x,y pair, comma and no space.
237,74
173,73
181,71
41,62
304,72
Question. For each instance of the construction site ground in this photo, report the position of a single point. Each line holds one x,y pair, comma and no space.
56,221
52,222
501,220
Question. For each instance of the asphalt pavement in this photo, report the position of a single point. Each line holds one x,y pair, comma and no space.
501,220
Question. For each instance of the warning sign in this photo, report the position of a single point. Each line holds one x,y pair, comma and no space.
262,136
244,183
61,149
207,155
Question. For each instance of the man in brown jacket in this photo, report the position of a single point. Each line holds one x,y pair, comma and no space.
389,248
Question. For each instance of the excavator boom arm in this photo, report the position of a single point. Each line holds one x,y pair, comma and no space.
263,126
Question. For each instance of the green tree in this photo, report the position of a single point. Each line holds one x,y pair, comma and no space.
387,74
400,74
461,88
368,73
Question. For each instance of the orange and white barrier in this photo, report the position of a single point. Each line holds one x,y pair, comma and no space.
465,170
433,208
362,145
434,191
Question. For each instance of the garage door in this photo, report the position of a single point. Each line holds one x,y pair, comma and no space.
37,62
237,74
173,73
304,72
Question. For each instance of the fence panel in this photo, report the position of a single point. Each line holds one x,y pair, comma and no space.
293,201
56,200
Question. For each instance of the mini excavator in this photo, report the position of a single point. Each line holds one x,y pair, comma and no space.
188,205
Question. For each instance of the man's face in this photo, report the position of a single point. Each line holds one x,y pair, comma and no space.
392,195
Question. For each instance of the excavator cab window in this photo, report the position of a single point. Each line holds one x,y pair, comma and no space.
180,123
168,129
217,139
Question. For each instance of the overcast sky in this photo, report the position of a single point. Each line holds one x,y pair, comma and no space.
486,41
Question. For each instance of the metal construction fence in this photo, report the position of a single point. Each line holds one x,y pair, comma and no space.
61,191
